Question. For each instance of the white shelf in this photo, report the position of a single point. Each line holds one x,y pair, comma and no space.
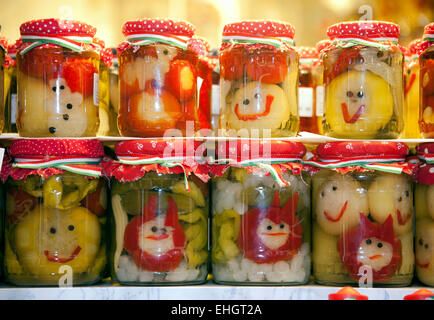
209,291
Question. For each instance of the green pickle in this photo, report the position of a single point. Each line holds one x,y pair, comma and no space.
150,200
54,232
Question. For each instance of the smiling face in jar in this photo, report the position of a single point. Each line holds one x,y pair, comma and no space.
391,194
339,202
424,244
375,253
273,235
48,238
155,237
358,103
258,106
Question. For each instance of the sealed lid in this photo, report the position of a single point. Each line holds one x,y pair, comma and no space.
370,30
199,45
259,28
163,148
323,44
56,27
414,46
347,293
422,294
13,48
307,52
425,151
333,151
250,149
4,44
90,148
158,26
428,32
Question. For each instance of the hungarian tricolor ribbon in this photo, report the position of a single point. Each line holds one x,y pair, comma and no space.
427,157
382,43
79,165
75,43
141,39
277,42
169,162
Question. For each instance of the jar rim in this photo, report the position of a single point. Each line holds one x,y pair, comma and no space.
54,26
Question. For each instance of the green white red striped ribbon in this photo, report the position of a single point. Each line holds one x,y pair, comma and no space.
267,164
169,162
381,164
427,157
277,42
74,43
79,165
428,37
380,43
141,39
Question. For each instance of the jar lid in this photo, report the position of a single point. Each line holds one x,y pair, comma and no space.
56,27
371,30
425,150
158,26
422,294
414,46
323,44
98,42
307,52
385,150
428,32
90,148
163,148
347,293
199,45
259,28
244,150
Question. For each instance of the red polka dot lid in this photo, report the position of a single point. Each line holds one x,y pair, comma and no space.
245,149
371,30
361,149
199,45
428,31
4,43
57,27
259,28
307,52
321,45
90,148
157,25
414,46
162,148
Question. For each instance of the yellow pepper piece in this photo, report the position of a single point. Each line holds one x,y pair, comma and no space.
11,261
192,217
194,192
239,174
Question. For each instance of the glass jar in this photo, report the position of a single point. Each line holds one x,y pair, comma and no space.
260,214
114,94
55,213
318,71
57,80
307,83
363,78
159,221
426,83
411,92
258,80
157,78
3,75
362,212
11,88
424,210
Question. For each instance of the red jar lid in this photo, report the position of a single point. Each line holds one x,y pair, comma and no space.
259,28
244,150
199,45
372,30
57,27
307,52
362,149
155,26
425,149
162,148
347,293
428,31
414,46
90,148
323,44
422,294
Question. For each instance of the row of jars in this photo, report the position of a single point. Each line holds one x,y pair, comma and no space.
267,86
148,215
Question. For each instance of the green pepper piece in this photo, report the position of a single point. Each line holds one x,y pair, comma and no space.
195,193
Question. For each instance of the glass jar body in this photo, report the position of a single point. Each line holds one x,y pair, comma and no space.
258,92
426,93
351,214
55,230
159,230
364,95
57,92
260,231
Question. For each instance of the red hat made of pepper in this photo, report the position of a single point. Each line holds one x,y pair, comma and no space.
347,293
